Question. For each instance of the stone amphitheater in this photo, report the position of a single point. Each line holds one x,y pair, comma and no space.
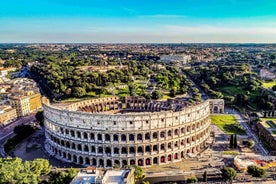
113,132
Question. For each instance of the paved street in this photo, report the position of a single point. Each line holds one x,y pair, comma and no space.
242,121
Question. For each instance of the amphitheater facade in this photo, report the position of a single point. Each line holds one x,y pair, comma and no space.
109,132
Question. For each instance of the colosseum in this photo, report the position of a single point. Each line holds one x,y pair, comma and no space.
114,132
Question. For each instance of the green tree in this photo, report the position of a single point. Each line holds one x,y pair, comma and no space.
78,91
228,174
274,88
235,143
193,179
205,176
138,173
62,177
156,95
231,141
256,171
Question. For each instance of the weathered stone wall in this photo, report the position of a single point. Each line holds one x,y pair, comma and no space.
141,138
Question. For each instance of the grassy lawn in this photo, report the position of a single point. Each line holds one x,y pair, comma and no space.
228,124
269,84
230,153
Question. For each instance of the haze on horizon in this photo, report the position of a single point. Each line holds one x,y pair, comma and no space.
133,21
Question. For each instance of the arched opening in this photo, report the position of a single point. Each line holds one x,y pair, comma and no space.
101,162
139,137
148,161
182,154
162,159
169,133
64,155
124,150
67,145
100,149
131,137
182,130
93,149
62,142
124,162
155,160
79,147
155,148
78,134
107,150
162,134
147,136
80,160
175,156
87,161
140,149
74,158
140,162
169,145
107,137
215,109
123,137
92,136
86,148
132,150
176,144
94,162
115,137
169,157
108,163
147,148
162,147
132,162
85,135
116,150
100,137
176,132
73,146
154,135
72,133
116,163
69,156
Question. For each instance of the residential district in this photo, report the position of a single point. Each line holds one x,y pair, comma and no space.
137,113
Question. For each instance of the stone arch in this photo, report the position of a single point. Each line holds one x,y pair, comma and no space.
87,161
131,137
116,150
123,137
99,137
147,136
155,160
85,136
73,146
80,160
132,162
86,148
93,149
108,163
72,133
92,136
115,137
139,137
131,150
75,160
148,161
124,150
140,149
101,162
79,147
162,134
94,161
69,156
140,162
162,159
124,162
78,134
155,135
100,149
107,137
169,157
148,148
108,150
176,132
116,163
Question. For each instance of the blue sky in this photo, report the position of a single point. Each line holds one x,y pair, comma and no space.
144,21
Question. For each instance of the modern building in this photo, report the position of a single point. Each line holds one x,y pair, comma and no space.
110,132
93,175
7,114
21,104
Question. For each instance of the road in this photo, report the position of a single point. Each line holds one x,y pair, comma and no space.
242,121
7,131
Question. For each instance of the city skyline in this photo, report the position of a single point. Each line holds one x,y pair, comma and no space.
106,21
